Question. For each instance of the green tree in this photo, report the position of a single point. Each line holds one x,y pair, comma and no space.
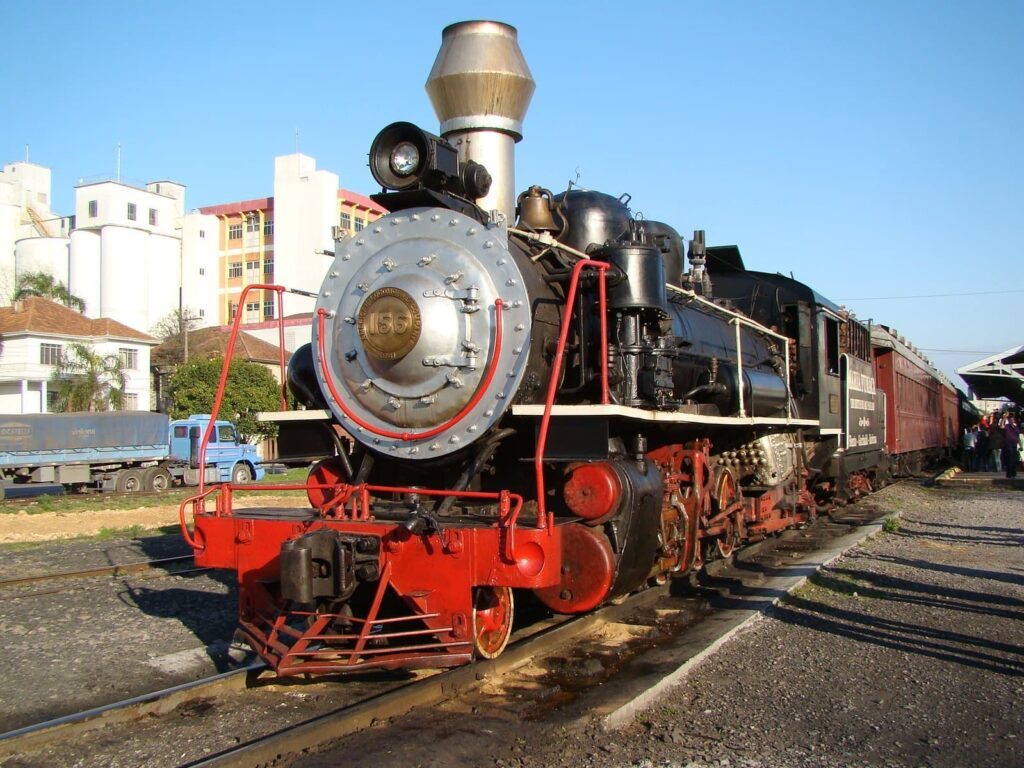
250,388
173,329
48,287
85,380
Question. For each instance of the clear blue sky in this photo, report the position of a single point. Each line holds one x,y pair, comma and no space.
873,149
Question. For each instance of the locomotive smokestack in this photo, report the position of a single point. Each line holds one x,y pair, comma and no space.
481,87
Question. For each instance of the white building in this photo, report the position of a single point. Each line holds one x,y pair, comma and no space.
36,332
126,258
134,255
30,233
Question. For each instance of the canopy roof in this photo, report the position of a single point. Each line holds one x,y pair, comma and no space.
1001,375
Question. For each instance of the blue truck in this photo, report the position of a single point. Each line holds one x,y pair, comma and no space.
121,451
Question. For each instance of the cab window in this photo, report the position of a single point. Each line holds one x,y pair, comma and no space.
225,434
832,345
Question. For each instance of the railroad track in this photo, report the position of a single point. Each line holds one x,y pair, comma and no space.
168,564
32,737
546,643
383,700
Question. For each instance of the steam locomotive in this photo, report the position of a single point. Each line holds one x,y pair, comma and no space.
542,397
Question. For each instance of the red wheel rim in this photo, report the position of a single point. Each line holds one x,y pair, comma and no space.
492,620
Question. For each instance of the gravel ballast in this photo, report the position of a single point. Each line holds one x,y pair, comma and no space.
907,651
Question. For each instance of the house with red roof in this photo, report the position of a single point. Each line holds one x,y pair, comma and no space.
35,332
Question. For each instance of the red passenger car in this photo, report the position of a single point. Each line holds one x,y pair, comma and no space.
921,404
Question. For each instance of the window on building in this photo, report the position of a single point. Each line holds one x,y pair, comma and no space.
129,358
202,233
202,313
202,271
252,264
52,398
152,217
268,309
252,306
234,269
235,232
131,401
232,310
360,223
131,211
49,354
345,220
268,268
268,227
252,223
94,209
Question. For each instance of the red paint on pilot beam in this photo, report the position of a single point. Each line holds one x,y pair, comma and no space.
915,404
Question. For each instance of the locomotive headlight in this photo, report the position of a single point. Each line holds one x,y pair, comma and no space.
401,155
405,159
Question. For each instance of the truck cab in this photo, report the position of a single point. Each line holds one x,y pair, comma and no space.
228,459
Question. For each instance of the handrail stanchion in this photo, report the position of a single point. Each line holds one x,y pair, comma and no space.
556,369
228,354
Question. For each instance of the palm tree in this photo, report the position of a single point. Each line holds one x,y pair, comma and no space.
48,287
84,380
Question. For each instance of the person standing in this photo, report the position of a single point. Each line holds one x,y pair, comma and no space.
981,450
996,442
969,442
1011,438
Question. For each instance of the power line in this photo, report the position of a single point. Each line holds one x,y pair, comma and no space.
929,296
958,351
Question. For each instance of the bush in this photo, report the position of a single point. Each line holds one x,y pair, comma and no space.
250,388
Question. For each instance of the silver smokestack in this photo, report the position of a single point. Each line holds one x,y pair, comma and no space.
481,87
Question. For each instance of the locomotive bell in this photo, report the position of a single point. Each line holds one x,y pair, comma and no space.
535,210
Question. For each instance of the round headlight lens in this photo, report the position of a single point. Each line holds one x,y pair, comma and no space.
405,158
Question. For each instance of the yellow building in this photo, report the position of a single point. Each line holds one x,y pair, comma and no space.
285,239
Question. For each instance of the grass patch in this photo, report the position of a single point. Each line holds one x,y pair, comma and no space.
90,502
128,532
892,524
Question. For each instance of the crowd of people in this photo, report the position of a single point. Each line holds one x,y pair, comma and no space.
995,444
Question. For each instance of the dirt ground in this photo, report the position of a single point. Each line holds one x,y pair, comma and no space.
51,526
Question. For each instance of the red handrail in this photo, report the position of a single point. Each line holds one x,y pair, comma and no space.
556,368
214,412
407,436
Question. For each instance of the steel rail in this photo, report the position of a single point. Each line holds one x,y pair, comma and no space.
123,569
34,737
549,635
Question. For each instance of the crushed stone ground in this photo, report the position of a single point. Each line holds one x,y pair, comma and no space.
909,651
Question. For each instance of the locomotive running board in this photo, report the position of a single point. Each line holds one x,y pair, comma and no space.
665,417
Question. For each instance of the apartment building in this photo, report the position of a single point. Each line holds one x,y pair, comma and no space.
287,239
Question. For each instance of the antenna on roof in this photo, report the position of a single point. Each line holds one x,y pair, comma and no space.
119,162
26,153
296,140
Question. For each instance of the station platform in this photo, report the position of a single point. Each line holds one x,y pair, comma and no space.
957,478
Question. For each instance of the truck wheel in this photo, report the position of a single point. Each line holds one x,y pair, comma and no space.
157,479
130,481
241,475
